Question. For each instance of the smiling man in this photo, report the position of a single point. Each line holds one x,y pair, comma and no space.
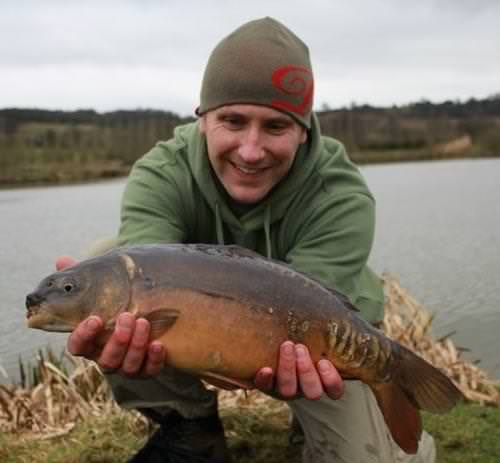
250,148
254,170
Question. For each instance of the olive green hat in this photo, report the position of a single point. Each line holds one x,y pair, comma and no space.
264,63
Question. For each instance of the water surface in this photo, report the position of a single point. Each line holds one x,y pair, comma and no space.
438,229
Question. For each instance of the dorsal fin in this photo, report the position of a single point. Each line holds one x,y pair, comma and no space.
239,251
340,296
343,298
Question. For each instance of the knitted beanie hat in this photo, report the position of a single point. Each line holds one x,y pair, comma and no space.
264,63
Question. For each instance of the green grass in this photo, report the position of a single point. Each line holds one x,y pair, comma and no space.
470,433
97,440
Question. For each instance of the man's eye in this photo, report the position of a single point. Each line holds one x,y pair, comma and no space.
232,122
276,128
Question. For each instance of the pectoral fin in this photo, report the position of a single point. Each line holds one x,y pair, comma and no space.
161,320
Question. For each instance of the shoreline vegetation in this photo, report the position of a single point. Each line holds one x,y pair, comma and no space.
52,147
62,414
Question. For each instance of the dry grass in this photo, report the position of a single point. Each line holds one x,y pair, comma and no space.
409,323
60,399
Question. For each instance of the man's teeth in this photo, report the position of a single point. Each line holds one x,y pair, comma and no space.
247,170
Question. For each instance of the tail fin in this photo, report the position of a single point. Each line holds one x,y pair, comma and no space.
415,385
427,387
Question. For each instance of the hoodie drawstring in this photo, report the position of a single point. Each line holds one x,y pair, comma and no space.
267,231
219,229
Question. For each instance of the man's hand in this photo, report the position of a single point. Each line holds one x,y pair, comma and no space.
297,373
127,350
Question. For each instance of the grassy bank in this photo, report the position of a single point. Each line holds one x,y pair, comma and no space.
68,171
259,434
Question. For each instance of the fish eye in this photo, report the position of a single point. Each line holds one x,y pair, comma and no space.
68,287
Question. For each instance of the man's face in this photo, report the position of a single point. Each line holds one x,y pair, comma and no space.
251,148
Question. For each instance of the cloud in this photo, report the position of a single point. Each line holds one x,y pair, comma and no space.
127,53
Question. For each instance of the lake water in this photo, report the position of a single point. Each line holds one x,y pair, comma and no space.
438,230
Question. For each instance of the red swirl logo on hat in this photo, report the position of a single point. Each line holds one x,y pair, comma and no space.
297,82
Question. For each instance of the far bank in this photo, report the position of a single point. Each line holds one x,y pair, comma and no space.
53,147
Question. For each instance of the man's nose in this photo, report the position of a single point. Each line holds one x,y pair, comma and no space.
251,149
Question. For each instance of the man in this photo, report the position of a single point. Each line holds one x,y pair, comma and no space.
254,170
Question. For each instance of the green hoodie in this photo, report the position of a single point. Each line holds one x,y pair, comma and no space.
319,219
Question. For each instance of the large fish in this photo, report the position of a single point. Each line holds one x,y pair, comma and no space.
223,311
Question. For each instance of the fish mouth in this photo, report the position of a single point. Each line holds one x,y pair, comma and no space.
32,311
39,316
34,303
36,315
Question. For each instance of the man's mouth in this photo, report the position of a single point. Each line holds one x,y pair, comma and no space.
248,170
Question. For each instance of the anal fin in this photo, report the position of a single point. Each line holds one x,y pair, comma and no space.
401,416
225,382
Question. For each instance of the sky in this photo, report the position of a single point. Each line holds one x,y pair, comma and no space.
130,54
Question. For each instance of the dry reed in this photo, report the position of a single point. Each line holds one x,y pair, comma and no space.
409,323
59,399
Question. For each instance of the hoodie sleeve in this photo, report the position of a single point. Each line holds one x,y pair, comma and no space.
333,244
151,209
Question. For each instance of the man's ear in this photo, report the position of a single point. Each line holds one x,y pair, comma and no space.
303,137
203,124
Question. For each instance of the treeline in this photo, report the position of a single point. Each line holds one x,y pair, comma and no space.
421,130
12,118
473,107
42,145
59,146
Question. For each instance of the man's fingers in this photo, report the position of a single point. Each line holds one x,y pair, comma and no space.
286,378
264,380
155,359
331,379
309,379
82,340
63,262
134,356
127,349
114,351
